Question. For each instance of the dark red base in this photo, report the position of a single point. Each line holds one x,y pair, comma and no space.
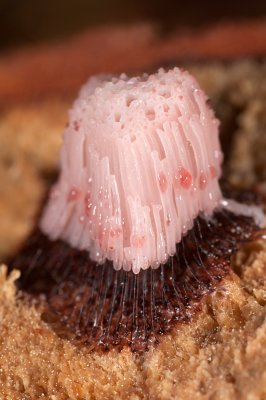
103,308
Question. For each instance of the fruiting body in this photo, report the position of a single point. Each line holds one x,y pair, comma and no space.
141,159
138,188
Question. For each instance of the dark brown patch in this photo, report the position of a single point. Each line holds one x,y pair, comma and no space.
103,308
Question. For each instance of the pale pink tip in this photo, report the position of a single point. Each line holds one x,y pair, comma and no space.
141,158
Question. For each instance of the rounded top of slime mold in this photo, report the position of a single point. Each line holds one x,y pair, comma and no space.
140,160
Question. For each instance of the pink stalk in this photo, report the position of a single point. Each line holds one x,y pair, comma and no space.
140,160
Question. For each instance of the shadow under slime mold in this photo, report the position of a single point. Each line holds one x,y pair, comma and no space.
136,231
104,308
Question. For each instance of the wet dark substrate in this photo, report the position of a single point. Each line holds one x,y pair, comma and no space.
103,308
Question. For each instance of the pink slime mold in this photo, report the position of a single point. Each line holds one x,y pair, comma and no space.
141,159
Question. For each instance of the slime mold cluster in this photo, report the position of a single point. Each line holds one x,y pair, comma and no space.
141,159
136,230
